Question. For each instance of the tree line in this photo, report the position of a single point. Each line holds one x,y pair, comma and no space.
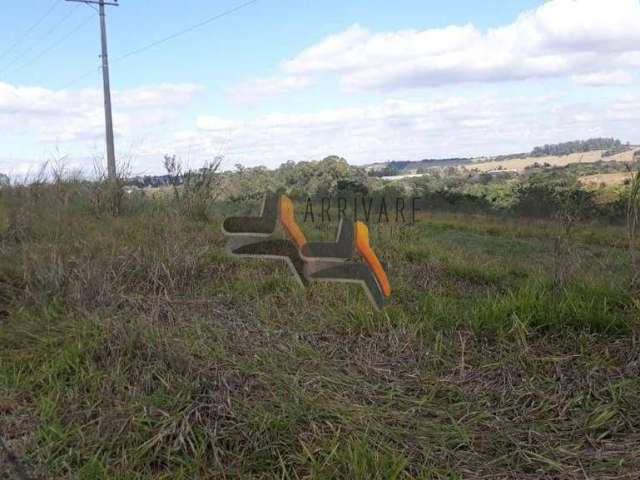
577,146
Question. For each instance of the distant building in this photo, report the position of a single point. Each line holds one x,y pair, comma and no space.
132,189
155,181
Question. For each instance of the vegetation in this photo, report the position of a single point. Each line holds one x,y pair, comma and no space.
321,178
578,146
132,346
541,191
199,188
398,167
633,222
608,147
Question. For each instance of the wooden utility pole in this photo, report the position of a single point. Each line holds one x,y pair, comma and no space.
108,116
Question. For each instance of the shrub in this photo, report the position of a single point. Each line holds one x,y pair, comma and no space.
199,187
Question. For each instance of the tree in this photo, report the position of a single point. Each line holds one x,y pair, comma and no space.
577,146
320,178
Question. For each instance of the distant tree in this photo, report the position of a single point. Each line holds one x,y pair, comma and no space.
485,178
320,178
352,187
390,170
577,146
554,201
536,200
249,183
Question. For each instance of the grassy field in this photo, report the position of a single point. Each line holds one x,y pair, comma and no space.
133,347
608,179
521,164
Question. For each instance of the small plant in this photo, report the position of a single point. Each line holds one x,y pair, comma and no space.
107,194
199,187
574,205
633,222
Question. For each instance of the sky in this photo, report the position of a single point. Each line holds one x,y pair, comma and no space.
271,81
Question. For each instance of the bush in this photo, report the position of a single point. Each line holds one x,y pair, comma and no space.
451,200
199,187
549,201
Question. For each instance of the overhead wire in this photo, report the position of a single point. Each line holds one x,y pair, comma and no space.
38,41
33,26
160,41
184,31
131,53
55,44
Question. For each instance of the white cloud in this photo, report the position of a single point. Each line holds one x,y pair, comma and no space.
213,123
60,122
602,79
403,129
561,37
254,90
157,96
68,116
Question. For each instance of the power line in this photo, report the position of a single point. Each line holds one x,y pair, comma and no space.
86,74
185,30
80,77
30,29
55,44
34,44
51,30
165,39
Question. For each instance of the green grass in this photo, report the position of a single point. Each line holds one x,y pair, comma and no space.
135,348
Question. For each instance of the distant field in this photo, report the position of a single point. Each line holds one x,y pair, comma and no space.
609,179
520,164
555,161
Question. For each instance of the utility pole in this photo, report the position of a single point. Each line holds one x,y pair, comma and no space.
108,116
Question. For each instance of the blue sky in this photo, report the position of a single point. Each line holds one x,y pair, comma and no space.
246,43
294,80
